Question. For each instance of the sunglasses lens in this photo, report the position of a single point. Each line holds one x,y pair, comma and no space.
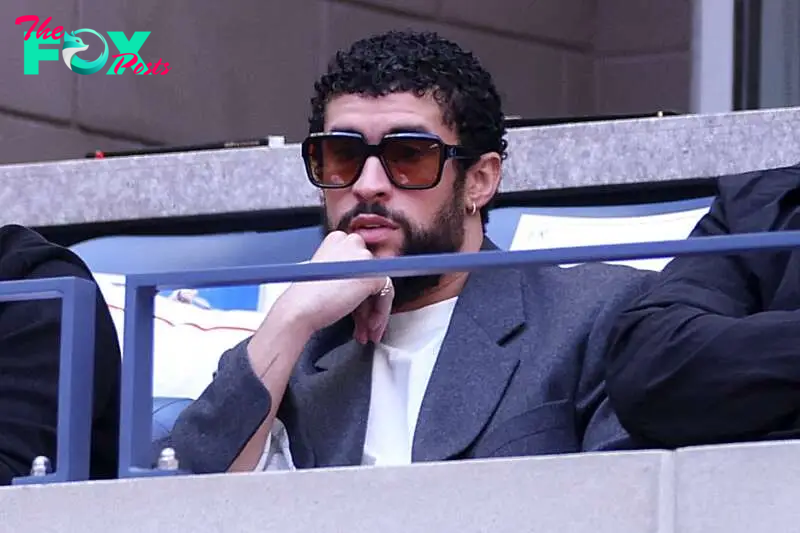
414,163
334,161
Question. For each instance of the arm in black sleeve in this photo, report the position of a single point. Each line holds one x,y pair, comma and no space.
696,360
30,334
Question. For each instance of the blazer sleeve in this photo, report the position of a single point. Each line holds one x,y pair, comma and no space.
211,432
694,361
598,423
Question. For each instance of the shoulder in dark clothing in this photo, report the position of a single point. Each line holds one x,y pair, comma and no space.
709,355
29,361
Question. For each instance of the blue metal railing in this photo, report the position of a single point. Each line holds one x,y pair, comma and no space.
137,367
76,370
136,425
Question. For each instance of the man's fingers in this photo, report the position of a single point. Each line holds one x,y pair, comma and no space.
380,312
357,239
361,319
341,246
381,309
372,316
335,236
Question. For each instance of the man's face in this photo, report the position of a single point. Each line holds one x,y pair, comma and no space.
393,221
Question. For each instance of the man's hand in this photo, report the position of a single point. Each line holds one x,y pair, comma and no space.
319,304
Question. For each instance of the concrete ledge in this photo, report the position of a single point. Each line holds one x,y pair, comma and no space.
593,493
738,489
727,489
244,180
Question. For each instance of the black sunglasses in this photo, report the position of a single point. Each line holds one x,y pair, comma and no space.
411,160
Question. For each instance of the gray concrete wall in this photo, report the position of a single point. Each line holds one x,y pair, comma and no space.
246,69
718,489
257,179
603,493
642,56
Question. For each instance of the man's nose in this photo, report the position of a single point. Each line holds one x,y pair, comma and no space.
373,182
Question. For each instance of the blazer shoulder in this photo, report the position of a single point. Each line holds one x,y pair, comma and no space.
592,280
591,288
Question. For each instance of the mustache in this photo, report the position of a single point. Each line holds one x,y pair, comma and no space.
369,209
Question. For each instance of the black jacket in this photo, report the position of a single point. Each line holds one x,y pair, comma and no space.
29,362
711,354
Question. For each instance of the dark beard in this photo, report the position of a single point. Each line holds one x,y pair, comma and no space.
446,235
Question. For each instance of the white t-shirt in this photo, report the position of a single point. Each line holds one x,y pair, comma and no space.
401,368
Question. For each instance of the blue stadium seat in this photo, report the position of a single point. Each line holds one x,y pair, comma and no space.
165,412
134,254
137,254
127,255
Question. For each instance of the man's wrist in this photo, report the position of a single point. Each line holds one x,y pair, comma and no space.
287,318
283,333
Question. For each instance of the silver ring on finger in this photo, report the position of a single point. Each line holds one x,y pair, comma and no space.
387,287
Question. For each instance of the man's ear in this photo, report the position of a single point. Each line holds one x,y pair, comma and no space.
482,180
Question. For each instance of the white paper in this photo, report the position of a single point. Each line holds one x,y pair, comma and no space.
537,232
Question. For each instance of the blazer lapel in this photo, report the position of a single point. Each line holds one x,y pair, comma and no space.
336,397
473,367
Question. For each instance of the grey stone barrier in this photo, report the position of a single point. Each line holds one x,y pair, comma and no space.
725,489
258,179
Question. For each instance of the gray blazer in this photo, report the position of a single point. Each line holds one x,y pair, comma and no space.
520,372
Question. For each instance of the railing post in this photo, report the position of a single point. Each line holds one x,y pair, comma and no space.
76,372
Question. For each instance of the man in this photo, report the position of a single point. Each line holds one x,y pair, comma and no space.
407,146
30,341
710,354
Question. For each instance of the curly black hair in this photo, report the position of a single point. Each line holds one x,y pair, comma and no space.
420,63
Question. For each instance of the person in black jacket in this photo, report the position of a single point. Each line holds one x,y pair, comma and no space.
29,362
711,353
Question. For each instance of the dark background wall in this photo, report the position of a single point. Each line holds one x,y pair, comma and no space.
245,68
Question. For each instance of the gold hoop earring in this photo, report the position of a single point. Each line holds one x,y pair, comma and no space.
473,210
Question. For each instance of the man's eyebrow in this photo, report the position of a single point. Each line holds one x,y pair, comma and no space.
347,130
410,128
